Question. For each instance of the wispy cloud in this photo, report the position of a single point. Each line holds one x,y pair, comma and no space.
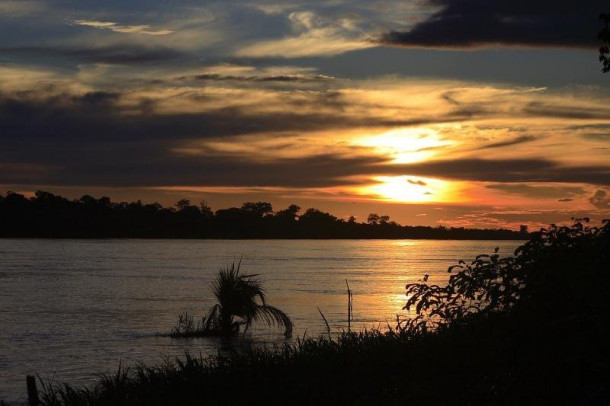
20,8
600,199
125,29
314,35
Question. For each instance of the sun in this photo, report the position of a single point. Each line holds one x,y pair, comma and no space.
409,189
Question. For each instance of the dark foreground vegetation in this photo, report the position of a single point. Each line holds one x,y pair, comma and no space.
532,329
50,216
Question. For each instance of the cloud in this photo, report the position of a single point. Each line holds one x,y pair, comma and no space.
483,217
593,132
503,170
288,78
125,29
507,143
540,191
20,8
253,136
482,23
124,54
600,199
542,109
314,36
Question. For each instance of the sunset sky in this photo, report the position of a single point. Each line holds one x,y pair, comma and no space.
472,113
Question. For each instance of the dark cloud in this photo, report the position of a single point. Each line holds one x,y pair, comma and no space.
600,199
158,168
504,170
542,191
27,117
100,139
417,182
593,132
541,109
262,78
590,127
125,54
507,143
476,23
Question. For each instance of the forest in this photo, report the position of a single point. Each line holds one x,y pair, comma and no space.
46,215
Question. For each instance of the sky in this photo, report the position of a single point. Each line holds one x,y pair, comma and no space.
465,113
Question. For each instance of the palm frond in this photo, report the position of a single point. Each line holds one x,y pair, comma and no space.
211,322
237,297
272,316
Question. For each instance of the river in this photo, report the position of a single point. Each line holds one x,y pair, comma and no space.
72,309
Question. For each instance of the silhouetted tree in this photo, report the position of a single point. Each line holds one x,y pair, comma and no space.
258,209
373,219
182,204
289,213
205,209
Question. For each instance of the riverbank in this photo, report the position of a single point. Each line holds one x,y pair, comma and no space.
525,330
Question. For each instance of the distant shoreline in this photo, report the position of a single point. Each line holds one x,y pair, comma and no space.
264,239
50,216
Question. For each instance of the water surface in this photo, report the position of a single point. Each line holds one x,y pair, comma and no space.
72,309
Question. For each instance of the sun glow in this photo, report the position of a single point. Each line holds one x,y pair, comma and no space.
406,145
410,189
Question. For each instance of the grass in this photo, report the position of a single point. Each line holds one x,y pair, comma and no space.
488,362
185,327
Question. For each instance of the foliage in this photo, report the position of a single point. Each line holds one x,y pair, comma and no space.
552,270
237,306
186,327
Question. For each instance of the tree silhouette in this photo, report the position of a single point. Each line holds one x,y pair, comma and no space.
257,209
291,213
205,209
51,216
183,204
373,219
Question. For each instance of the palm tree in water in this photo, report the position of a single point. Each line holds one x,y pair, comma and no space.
237,305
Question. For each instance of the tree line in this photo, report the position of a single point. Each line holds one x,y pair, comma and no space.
46,215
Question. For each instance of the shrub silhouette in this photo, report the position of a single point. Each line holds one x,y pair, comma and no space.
560,271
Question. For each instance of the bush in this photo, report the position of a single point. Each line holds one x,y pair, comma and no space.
559,271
